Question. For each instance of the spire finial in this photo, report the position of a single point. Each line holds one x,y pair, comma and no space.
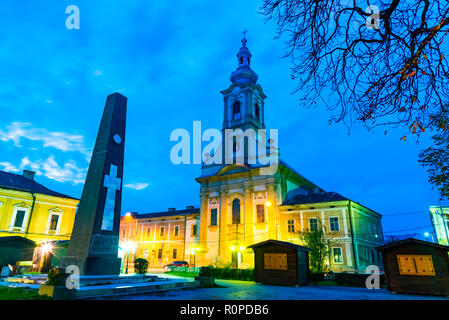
244,37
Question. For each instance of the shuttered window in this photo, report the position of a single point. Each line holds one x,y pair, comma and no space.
421,265
275,261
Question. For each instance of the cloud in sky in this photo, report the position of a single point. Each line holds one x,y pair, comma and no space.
51,139
50,168
137,185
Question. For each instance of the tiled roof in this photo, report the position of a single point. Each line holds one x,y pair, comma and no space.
19,182
169,213
314,198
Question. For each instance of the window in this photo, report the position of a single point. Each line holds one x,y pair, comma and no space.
333,221
337,255
415,265
145,255
213,217
236,110
275,261
257,112
19,219
175,253
159,254
54,222
260,213
162,231
176,231
313,224
148,232
124,233
194,230
235,211
291,225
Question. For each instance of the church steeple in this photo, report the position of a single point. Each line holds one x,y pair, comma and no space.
244,99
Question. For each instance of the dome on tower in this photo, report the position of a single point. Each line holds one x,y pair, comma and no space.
244,73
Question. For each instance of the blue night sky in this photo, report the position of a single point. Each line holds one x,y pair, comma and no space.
171,61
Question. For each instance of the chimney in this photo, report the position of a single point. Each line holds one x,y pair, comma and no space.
29,174
171,209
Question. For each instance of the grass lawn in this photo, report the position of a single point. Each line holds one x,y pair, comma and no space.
8,293
183,274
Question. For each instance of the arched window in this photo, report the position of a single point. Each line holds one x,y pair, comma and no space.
257,112
236,110
236,211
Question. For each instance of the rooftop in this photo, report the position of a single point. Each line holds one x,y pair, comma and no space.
26,183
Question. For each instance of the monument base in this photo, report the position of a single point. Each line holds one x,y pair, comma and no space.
94,265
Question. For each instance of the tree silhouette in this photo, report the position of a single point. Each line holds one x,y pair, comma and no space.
383,59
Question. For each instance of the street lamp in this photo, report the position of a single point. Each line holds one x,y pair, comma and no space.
193,251
426,234
128,246
239,252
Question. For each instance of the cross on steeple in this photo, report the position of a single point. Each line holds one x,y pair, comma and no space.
244,37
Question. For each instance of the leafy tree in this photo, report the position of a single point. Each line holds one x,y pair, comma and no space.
319,245
436,158
141,265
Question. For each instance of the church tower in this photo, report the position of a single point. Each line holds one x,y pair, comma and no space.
244,99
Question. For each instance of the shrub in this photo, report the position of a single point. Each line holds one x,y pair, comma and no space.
354,279
140,265
56,277
316,277
229,273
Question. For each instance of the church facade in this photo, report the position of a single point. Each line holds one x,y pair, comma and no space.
247,200
241,204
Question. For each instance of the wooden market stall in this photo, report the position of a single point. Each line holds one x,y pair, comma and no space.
416,266
282,263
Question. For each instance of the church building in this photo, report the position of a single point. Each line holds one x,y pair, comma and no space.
245,202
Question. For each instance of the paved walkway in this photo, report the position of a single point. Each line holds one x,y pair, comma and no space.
243,290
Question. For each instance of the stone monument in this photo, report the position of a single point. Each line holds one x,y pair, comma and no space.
95,236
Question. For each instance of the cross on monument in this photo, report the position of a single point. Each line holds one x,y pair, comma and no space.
112,184
244,33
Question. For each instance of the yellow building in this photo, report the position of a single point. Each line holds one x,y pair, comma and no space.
30,210
159,237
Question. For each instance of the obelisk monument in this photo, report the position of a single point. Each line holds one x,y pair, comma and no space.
94,242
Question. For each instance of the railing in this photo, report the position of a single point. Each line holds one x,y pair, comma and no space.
184,269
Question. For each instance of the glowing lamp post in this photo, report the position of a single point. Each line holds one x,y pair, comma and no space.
46,248
239,251
193,252
427,234
128,246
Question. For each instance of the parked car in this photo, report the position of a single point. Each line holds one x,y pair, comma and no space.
177,264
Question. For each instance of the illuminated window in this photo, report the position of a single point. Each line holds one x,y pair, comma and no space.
236,110
313,224
175,253
159,254
337,255
291,225
236,211
334,225
123,233
260,213
148,232
415,265
54,222
194,230
257,111
162,231
213,217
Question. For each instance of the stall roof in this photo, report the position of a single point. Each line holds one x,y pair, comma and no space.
277,242
411,240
